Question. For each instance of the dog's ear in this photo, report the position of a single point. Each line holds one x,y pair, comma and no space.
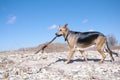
66,25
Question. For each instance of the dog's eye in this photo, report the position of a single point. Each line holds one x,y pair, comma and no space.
60,30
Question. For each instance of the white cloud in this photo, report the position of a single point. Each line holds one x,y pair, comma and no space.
53,27
11,20
85,21
90,30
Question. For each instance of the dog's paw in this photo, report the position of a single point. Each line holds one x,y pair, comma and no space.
101,62
66,62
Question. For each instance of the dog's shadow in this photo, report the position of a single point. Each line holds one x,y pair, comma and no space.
79,60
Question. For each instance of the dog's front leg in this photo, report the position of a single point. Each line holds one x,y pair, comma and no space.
83,54
72,51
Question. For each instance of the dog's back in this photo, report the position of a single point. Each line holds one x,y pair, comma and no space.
88,38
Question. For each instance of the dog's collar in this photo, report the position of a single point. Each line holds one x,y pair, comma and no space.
67,36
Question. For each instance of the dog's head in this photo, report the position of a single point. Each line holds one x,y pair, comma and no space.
62,30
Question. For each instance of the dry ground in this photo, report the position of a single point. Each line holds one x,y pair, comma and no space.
23,64
17,65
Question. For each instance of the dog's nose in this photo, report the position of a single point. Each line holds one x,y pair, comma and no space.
57,35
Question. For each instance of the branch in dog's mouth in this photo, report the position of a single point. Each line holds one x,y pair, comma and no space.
43,47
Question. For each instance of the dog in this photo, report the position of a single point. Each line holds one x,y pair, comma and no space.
81,40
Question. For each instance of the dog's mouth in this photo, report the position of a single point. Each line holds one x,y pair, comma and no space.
58,35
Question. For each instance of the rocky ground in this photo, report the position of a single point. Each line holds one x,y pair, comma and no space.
51,66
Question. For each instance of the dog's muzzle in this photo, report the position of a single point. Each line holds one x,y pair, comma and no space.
58,35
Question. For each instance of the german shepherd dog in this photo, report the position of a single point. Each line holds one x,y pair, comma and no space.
81,40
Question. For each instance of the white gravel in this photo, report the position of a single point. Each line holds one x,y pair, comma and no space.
51,66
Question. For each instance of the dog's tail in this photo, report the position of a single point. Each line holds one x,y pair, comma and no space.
109,50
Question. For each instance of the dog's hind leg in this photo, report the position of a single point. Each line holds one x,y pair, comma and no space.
83,54
110,52
100,47
103,55
72,51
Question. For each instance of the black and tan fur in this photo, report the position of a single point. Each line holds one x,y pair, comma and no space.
81,40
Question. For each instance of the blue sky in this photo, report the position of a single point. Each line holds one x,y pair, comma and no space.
28,23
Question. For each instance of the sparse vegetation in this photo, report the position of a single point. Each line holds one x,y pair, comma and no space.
112,41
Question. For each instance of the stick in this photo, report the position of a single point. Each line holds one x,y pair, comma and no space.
43,47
